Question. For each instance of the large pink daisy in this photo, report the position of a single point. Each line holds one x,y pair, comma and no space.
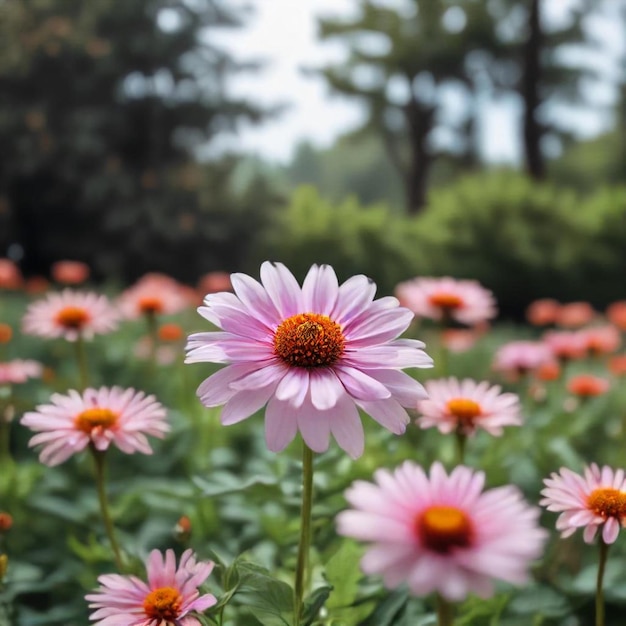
167,599
96,416
70,314
465,301
442,533
467,405
594,501
314,354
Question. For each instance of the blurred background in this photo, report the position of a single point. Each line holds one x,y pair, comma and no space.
482,139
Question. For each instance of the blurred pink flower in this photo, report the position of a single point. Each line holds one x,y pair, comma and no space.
566,345
616,314
313,354
70,272
442,532
97,417
467,405
19,371
460,339
214,282
464,301
154,294
575,314
599,340
594,501
70,314
517,358
167,599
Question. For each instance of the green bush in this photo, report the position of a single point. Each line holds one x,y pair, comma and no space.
526,240
353,239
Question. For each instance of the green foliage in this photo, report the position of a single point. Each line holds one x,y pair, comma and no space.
353,239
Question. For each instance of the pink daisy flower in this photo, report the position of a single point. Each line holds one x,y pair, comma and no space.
153,294
520,357
566,345
464,406
19,371
442,533
594,501
314,354
167,599
464,301
96,417
70,314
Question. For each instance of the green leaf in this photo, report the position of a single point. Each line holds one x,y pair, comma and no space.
343,574
268,599
539,600
314,603
389,609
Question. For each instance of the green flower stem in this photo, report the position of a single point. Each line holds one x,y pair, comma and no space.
81,359
461,439
99,456
604,549
153,334
445,612
305,531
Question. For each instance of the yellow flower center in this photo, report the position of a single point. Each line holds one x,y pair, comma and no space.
608,503
443,528
151,305
464,409
446,301
309,340
95,418
163,604
73,317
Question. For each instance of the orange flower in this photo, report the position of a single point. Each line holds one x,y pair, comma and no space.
575,314
6,333
543,312
6,521
10,275
616,314
617,365
587,386
170,332
36,285
548,371
70,272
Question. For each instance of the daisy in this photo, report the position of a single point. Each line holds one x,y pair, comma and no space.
575,314
314,354
595,501
543,312
167,599
566,345
464,406
10,275
153,294
442,533
70,314
616,314
520,357
70,272
19,371
601,340
464,301
96,417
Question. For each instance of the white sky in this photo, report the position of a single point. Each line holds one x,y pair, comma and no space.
283,32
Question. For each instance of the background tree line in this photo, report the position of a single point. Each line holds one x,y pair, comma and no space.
105,108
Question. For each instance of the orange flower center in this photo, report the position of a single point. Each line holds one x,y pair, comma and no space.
151,304
464,409
170,332
72,317
163,604
309,340
443,528
608,503
447,301
6,332
95,418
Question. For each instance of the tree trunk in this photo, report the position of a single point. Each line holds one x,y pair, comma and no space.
420,121
531,79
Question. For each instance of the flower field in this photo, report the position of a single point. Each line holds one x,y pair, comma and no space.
283,451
